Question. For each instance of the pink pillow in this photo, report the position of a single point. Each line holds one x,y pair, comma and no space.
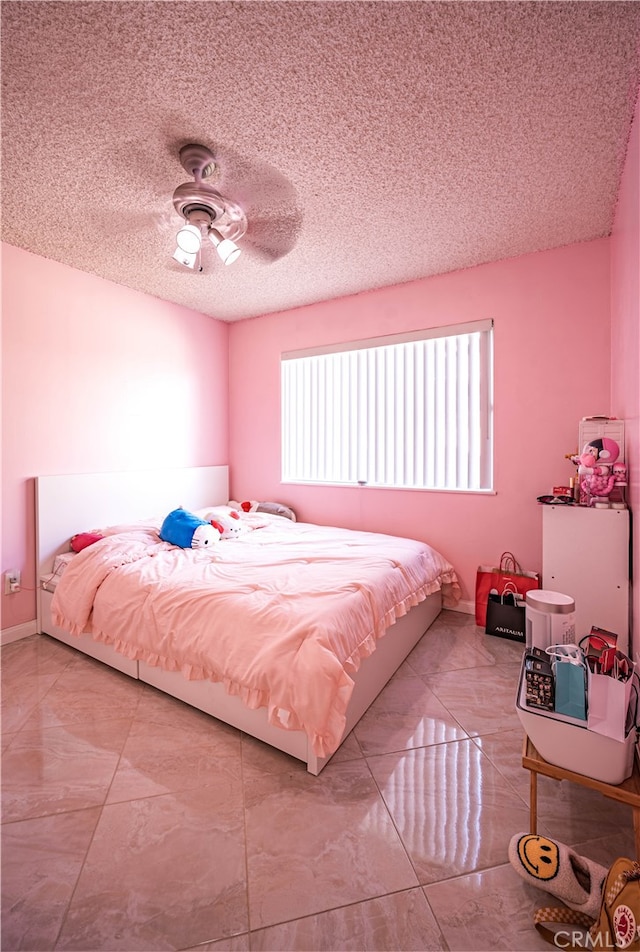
83,539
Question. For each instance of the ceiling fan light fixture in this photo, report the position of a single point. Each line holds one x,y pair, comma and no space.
202,207
189,239
226,248
188,258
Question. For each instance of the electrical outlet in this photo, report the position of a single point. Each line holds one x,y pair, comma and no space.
11,582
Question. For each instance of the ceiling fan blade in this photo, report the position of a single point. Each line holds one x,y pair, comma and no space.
272,238
268,199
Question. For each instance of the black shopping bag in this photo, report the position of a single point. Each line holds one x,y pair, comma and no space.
509,576
505,616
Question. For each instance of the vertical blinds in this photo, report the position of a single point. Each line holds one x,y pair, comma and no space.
409,411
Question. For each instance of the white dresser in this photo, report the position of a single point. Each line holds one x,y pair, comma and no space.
585,554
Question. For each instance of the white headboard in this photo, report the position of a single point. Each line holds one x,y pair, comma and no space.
76,503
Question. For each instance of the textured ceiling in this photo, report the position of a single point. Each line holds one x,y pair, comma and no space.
370,143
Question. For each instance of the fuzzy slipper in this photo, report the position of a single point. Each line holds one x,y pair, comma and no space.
554,867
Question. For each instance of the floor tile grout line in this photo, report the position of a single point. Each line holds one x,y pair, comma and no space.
476,739
81,867
345,905
245,835
102,807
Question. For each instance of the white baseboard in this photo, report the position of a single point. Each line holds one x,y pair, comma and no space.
17,632
467,608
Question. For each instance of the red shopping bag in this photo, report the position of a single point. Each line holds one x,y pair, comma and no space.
497,579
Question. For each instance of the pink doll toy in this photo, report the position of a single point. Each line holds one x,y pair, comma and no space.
596,476
596,486
619,472
602,451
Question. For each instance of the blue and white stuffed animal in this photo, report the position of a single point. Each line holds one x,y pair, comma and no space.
185,529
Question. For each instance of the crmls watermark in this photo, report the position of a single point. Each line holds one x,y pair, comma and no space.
565,939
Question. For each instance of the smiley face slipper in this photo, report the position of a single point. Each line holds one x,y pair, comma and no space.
554,867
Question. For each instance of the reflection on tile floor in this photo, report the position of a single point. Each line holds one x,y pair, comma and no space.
132,822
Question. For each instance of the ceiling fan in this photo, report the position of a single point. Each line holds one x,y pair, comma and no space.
206,213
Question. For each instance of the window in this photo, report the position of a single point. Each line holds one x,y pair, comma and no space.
411,411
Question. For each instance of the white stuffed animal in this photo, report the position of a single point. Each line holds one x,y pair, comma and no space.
227,521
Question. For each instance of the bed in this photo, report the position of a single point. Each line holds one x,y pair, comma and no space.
287,632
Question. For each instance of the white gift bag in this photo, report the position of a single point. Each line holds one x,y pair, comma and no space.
608,702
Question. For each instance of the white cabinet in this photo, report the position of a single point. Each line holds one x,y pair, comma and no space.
585,554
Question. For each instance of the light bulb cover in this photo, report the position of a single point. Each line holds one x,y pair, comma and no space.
187,258
189,239
226,248
228,251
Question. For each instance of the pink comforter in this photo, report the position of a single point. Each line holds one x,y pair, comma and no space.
282,615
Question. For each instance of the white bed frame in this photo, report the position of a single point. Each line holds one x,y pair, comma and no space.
75,503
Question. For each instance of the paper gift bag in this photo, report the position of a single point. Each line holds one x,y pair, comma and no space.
609,699
600,649
496,579
570,681
505,617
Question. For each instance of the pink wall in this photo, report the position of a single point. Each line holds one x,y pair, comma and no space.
97,377
552,357
625,335
126,363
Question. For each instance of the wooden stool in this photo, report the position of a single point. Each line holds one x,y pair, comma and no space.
626,792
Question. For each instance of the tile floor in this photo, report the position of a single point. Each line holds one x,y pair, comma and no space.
131,822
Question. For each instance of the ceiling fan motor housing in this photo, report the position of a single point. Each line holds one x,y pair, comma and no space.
197,160
198,198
